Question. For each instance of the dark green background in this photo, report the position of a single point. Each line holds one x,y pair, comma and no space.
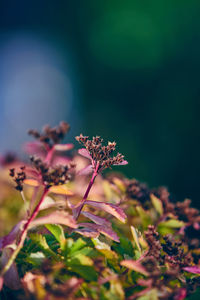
137,67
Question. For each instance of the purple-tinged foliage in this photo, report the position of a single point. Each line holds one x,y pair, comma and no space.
66,246
192,269
110,208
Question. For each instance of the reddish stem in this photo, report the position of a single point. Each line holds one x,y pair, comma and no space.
81,204
49,156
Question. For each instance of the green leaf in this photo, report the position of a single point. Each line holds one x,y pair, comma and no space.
80,259
35,258
150,295
124,248
173,223
87,272
135,238
88,251
58,233
79,244
41,242
157,203
146,220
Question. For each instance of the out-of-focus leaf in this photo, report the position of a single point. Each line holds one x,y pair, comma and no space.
61,190
36,258
88,232
63,147
125,247
120,184
116,290
85,153
58,233
150,295
109,254
110,208
173,223
11,277
47,203
134,265
96,219
87,251
85,171
100,245
101,229
146,220
135,238
31,182
56,217
34,147
80,259
157,204
11,237
107,190
192,269
34,284
87,272
41,242
76,245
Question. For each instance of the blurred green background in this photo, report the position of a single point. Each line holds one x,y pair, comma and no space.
130,72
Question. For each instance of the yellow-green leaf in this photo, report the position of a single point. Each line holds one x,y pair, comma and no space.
135,237
60,189
173,223
157,204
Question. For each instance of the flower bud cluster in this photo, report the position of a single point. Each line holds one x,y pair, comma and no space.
51,175
49,135
175,252
19,178
101,154
137,190
152,238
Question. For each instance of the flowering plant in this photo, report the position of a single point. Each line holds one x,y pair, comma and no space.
82,235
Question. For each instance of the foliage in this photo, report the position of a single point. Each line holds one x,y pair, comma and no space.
118,240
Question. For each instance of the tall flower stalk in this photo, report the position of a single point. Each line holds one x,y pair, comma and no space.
101,157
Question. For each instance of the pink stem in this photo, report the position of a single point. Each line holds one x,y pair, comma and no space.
81,204
36,210
49,156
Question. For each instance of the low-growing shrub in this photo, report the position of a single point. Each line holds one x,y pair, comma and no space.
82,235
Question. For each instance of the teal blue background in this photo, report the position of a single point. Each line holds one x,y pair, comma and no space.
134,69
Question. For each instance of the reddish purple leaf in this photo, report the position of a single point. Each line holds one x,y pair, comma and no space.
107,231
57,217
10,238
85,171
85,153
192,269
113,209
60,160
35,147
134,265
96,219
63,147
11,277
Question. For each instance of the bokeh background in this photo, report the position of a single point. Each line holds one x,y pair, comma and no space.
126,70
